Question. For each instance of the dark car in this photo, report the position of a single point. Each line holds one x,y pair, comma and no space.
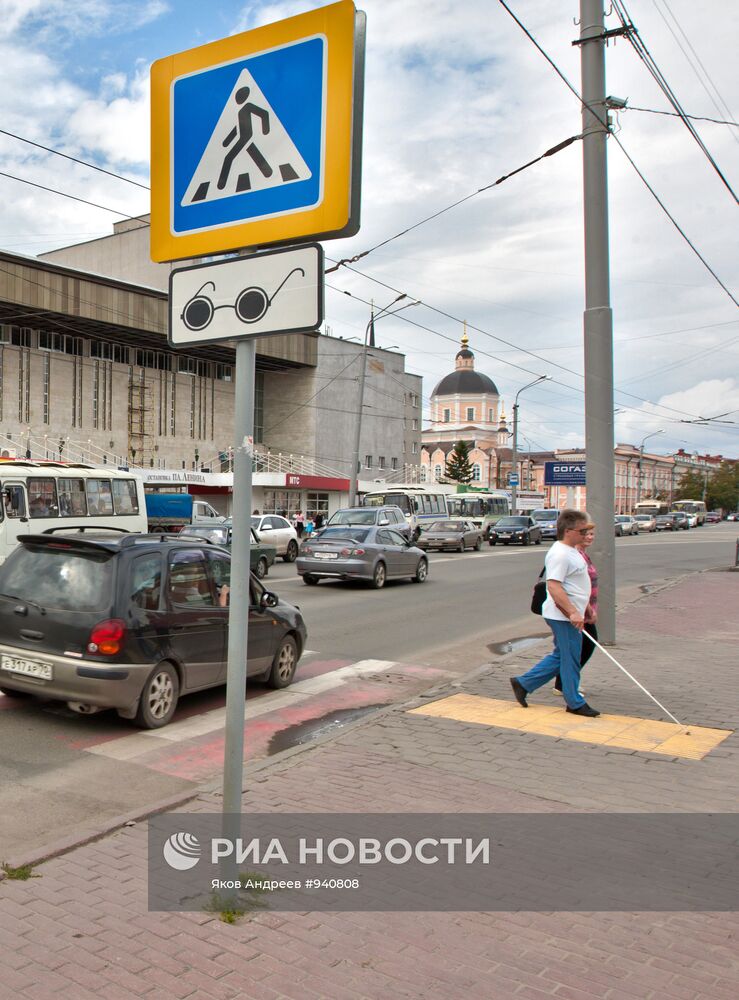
387,516
681,519
713,517
515,528
131,623
261,556
354,553
665,522
453,534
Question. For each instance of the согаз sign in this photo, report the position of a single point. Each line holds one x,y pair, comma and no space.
564,473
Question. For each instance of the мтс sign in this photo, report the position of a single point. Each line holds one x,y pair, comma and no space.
256,138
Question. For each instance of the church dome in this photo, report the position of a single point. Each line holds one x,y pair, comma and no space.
465,380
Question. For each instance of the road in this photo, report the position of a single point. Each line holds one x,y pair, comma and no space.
62,773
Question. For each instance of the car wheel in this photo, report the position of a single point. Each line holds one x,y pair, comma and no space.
311,580
260,570
379,576
492,541
159,697
525,540
478,545
538,541
291,552
422,571
284,664
460,547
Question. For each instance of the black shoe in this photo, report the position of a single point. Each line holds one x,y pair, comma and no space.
519,691
584,710
558,684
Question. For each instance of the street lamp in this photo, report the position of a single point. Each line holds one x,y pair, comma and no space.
358,431
641,456
514,450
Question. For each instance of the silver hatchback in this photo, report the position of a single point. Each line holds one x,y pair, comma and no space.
352,553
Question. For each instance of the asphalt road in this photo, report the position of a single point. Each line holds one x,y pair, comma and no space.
61,773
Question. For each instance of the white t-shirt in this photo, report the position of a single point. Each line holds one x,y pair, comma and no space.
565,564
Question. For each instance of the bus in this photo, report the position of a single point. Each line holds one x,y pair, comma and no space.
422,505
39,496
697,507
653,507
482,508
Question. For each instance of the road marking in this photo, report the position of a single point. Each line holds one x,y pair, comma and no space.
622,731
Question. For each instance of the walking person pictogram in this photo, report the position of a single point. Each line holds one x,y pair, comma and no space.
243,133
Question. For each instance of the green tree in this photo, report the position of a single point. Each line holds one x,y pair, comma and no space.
723,487
691,486
458,467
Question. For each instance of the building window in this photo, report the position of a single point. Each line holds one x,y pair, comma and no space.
60,343
47,386
16,335
394,463
223,373
423,474
437,472
109,352
368,461
155,359
414,448
76,393
415,423
317,503
476,473
414,399
381,462
447,416
490,416
470,413
24,385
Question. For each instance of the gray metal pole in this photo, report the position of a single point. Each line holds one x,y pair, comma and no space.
238,632
353,499
638,477
598,320
514,456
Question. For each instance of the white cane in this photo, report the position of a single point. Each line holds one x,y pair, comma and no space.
632,678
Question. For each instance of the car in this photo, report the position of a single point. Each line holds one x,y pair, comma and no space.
261,556
546,518
692,520
276,530
628,524
646,522
665,522
734,516
453,534
145,621
368,553
383,516
681,519
713,517
515,528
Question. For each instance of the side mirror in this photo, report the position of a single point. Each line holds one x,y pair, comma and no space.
269,600
383,521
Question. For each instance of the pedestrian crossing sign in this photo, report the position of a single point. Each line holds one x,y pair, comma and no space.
256,138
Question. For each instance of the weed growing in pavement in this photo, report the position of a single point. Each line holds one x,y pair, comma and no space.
22,873
231,908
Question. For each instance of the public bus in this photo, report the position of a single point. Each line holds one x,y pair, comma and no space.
653,507
483,508
38,496
421,505
697,507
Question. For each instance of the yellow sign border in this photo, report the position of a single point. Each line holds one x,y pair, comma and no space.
337,23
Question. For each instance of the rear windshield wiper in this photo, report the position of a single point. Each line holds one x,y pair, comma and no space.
24,600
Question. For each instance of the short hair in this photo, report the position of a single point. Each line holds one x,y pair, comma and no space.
569,518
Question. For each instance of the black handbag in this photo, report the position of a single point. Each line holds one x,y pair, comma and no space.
540,594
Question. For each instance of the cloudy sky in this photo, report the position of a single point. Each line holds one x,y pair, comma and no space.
456,96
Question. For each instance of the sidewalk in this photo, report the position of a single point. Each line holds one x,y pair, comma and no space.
81,929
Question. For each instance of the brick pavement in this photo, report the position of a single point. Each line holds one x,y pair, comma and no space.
80,930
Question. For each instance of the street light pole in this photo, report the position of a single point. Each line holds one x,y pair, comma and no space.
641,456
358,429
514,449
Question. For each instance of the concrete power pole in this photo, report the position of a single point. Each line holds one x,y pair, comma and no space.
598,319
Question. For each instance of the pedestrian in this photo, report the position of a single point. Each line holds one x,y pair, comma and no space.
299,523
309,526
568,595
256,510
318,520
591,612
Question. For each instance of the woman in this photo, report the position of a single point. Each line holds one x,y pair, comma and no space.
591,612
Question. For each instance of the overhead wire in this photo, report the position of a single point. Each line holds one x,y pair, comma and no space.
621,146
675,114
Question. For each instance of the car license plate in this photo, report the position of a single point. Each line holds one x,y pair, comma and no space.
325,555
30,668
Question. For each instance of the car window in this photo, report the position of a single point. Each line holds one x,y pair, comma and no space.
189,584
56,576
72,502
276,522
42,500
353,534
354,517
146,582
256,522
396,538
220,570
385,537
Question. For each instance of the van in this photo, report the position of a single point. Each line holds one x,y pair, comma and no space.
546,518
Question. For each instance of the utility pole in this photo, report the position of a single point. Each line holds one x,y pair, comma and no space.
597,318
514,448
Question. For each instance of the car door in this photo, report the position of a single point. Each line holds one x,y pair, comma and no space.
275,532
405,560
196,624
261,632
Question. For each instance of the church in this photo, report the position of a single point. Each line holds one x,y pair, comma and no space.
466,406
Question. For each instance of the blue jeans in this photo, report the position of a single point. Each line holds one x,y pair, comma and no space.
563,660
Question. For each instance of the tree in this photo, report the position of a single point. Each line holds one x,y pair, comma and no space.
691,486
723,488
458,467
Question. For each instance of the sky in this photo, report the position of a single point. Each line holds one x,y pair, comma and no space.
456,96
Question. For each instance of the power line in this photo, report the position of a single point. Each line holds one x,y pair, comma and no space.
674,114
73,197
621,146
74,159
550,152
641,49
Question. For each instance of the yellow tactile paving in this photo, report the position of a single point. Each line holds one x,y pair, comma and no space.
625,731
